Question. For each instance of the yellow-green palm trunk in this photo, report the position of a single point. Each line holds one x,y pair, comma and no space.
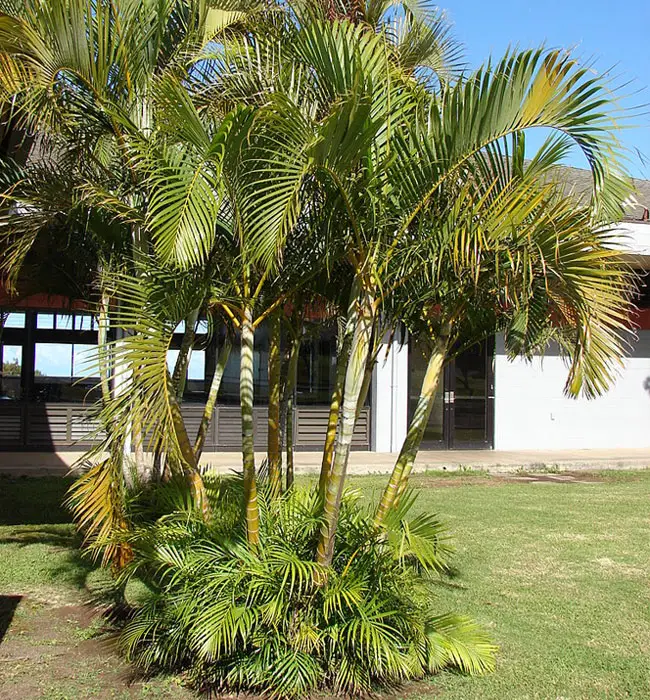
365,387
248,446
188,460
102,348
337,393
353,384
273,440
290,386
179,377
399,477
222,361
333,420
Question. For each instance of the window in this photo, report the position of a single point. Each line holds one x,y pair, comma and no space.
12,319
64,371
66,322
11,363
195,384
85,322
317,370
45,321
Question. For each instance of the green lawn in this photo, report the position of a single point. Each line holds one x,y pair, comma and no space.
559,573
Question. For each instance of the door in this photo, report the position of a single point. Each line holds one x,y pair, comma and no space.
471,398
462,413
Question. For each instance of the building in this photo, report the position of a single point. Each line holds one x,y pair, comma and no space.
484,402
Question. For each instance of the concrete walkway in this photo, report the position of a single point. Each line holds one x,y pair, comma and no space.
497,461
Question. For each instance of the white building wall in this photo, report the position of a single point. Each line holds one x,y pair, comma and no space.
390,398
531,411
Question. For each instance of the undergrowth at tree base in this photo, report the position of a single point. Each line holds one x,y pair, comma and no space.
273,621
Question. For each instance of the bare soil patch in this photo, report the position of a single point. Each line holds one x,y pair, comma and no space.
553,478
56,652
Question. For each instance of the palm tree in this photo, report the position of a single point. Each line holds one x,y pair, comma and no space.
394,149
311,125
523,258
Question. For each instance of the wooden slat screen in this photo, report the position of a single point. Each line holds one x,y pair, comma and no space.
59,425
312,424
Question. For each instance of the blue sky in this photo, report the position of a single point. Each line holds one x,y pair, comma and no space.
614,34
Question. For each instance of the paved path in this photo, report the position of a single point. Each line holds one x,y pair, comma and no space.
497,461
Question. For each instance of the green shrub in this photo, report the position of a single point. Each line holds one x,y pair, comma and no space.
275,621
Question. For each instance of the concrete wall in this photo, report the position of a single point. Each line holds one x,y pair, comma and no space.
532,413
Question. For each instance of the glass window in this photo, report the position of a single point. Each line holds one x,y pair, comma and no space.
45,321
84,322
317,370
13,319
202,327
53,360
471,392
64,322
65,372
172,356
195,384
84,360
196,368
11,362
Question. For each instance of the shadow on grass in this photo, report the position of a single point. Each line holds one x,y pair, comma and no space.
33,500
8,606
32,515
67,564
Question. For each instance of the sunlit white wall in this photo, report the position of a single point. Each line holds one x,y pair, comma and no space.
531,411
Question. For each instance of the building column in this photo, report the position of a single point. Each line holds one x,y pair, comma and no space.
390,396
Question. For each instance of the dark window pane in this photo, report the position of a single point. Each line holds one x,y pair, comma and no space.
471,390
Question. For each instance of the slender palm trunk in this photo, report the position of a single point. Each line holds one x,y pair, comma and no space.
353,384
365,386
188,460
102,348
178,380
333,417
222,361
248,445
339,386
144,472
290,388
179,377
400,475
273,440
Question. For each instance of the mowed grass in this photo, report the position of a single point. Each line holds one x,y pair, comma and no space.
558,572
560,575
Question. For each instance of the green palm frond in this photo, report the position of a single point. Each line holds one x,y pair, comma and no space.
235,620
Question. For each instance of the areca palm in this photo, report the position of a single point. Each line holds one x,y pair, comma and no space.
529,260
253,157
388,151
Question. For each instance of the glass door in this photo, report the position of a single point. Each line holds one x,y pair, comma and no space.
434,434
462,413
471,398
